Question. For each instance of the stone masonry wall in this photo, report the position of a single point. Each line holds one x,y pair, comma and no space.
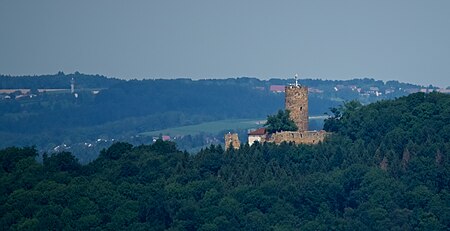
305,137
296,101
233,140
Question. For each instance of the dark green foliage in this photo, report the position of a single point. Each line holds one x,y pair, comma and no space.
116,150
11,156
61,162
335,185
280,122
58,81
413,118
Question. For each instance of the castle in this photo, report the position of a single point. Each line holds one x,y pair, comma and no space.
296,101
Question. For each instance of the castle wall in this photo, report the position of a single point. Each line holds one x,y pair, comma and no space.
305,137
296,101
255,138
233,140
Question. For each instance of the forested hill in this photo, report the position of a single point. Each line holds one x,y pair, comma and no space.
385,167
59,80
396,125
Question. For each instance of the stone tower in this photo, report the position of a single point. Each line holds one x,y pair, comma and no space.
233,140
296,101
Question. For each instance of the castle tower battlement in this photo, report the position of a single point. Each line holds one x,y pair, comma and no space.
296,101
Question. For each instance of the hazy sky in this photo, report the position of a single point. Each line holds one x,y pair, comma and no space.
404,40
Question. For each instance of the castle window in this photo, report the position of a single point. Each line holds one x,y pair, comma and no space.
301,108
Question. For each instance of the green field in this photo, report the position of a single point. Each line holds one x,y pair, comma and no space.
220,125
210,127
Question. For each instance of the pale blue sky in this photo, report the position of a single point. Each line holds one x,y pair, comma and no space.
404,40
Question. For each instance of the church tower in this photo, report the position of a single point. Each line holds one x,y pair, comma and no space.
296,101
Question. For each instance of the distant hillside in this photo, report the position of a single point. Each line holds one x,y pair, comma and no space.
112,109
57,81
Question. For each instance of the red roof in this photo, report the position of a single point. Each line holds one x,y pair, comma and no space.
258,132
277,88
165,138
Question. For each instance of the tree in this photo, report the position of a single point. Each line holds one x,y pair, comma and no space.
331,124
280,122
63,161
116,150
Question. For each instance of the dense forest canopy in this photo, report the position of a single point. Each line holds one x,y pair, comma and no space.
385,167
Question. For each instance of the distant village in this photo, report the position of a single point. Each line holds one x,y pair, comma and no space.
362,91
365,91
27,93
